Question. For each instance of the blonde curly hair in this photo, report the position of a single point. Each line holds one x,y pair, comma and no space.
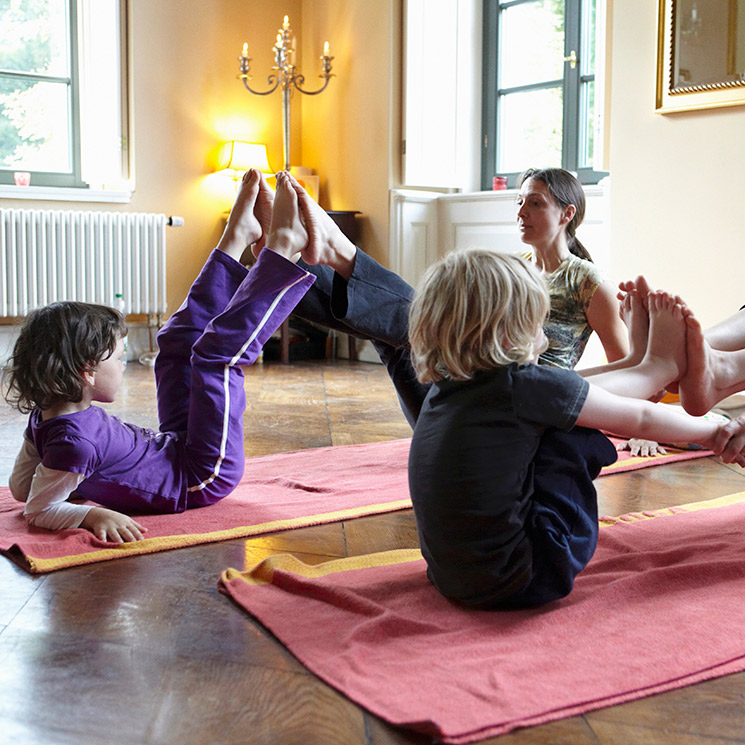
475,310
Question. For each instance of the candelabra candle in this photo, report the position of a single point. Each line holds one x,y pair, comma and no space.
285,75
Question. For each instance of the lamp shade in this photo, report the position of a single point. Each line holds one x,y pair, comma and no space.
240,156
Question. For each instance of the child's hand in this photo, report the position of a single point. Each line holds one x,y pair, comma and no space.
729,441
108,525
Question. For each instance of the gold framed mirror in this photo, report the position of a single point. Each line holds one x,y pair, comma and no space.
700,54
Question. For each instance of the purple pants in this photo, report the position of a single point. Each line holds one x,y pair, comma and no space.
228,316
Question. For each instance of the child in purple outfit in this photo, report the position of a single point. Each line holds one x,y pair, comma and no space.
69,355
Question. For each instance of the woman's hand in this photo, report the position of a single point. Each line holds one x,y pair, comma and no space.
111,526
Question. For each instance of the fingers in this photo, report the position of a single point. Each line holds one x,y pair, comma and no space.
642,448
126,532
729,441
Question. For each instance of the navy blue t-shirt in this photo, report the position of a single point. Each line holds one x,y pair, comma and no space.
471,474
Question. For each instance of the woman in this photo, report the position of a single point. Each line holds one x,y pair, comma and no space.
551,206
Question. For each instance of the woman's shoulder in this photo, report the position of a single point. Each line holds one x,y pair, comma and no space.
582,269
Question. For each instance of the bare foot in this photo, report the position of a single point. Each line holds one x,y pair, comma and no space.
636,317
666,349
263,213
287,236
326,243
243,227
639,284
697,388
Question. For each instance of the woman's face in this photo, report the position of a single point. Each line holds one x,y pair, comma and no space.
540,218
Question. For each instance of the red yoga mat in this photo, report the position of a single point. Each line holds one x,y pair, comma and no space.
278,492
660,606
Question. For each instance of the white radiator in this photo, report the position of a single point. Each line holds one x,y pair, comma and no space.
49,255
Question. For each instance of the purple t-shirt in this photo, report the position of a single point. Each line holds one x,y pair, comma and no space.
119,460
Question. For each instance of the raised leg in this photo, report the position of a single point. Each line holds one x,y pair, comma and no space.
357,296
208,296
665,358
214,454
712,374
563,518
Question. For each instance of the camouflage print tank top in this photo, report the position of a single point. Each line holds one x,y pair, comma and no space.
571,286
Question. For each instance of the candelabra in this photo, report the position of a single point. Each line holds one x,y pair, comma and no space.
285,76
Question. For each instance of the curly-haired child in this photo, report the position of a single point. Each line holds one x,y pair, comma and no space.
68,356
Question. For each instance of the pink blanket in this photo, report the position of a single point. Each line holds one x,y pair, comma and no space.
660,606
278,492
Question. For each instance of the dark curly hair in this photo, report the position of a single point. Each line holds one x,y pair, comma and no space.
56,345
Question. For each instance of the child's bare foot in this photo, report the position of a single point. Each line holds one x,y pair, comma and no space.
287,236
263,213
326,243
243,227
636,317
639,284
666,349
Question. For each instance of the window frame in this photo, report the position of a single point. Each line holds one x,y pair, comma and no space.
572,86
73,178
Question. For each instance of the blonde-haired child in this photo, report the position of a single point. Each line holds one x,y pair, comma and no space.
504,451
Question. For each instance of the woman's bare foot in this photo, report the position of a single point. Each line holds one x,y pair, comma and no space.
705,382
636,317
243,227
287,236
666,349
326,243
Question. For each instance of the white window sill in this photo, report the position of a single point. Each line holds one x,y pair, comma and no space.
65,194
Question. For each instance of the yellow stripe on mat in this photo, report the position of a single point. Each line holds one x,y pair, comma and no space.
633,517
163,543
263,572
624,465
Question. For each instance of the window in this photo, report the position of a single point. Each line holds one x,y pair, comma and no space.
541,102
61,113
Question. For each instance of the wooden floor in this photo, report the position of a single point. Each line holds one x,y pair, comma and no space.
145,650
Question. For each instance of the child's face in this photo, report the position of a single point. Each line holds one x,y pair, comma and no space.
107,377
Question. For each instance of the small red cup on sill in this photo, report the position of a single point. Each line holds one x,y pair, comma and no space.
22,178
499,183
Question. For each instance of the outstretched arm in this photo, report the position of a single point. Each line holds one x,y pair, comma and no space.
628,417
604,319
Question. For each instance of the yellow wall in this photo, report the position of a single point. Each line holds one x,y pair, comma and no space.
187,100
350,131
677,185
